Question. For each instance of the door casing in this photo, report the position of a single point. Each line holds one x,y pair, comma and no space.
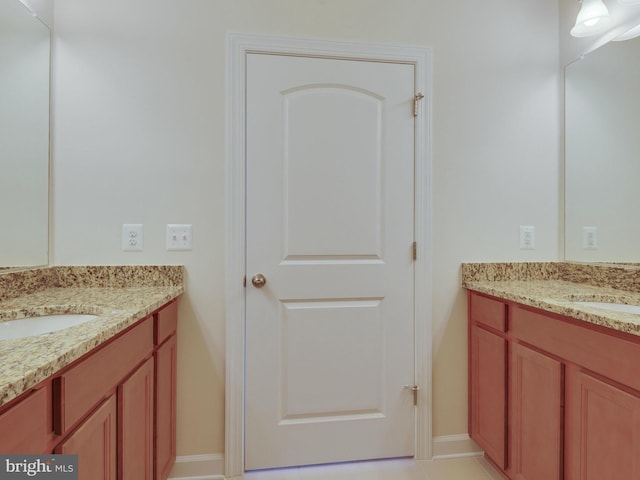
238,46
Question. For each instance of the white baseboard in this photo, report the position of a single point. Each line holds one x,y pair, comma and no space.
198,467
211,466
455,446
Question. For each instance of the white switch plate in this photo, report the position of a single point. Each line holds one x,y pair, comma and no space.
589,238
179,237
527,238
132,237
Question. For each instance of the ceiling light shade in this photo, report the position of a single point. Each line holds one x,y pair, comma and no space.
629,34
593,18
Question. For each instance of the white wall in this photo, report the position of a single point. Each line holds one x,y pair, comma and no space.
140,138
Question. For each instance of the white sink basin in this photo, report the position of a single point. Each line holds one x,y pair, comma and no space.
32,326
616,307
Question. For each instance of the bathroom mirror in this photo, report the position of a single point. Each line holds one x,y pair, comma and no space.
24,137
602,155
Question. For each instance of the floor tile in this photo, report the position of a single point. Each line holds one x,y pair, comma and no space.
491,471
455,469
277,474
398,469
339,471
471,468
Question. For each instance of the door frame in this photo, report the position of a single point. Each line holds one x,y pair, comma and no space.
238,46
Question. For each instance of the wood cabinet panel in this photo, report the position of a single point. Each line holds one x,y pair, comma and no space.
612,356
166,323
80,388
536,415
135,424
603,432
488,311
165,408
95,444
488,393
26,426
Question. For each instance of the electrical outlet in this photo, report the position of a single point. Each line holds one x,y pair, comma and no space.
527,238
589,238
132,237
179,237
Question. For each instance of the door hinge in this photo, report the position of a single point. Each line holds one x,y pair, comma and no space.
415,250
414,389
416,99
244,282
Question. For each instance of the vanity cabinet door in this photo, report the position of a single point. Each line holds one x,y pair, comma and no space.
135,424
487,364
536,415
94,441
26,426
166,376
603,431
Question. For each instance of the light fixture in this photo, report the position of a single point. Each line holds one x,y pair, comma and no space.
593,18
629,34
629,2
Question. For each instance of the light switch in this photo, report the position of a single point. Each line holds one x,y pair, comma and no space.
590,238
527,238
179,237
132,237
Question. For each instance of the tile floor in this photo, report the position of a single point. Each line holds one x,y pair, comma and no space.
469,468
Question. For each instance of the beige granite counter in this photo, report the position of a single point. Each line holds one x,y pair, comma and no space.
554,287
119,296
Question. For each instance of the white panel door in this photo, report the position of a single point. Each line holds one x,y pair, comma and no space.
330,211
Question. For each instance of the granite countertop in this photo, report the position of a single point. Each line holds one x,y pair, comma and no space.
28,361
556,287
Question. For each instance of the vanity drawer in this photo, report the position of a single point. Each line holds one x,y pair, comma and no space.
487,311
26,426
613,356
79,389
166,322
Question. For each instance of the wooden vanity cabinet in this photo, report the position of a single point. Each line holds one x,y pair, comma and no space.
116,440
80,387
114,407
488,377
26,422
135,424
94,441
117,378
573,394
166,356
536,415
604,430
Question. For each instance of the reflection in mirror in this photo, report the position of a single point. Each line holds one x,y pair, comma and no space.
602,161
24,137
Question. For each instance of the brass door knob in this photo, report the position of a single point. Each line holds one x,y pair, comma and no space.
258,280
